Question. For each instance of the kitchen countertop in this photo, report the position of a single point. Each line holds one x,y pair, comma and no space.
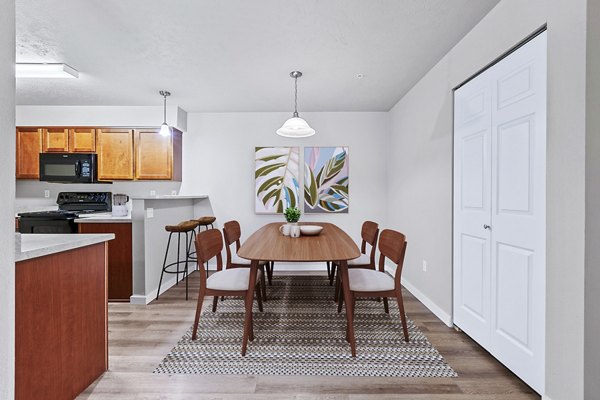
102,218
38,245
170,197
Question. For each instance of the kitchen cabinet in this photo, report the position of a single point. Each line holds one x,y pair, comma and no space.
120,261
29,147
61,323
115,154
55,140
157,157
82,140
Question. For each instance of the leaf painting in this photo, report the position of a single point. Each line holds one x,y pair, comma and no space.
276,179
326,180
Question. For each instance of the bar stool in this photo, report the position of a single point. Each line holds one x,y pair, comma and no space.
202,222
187,228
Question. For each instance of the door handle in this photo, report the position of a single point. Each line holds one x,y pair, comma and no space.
485,226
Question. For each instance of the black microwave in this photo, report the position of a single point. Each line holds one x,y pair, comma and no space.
68,167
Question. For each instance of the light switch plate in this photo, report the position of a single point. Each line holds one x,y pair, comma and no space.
149,212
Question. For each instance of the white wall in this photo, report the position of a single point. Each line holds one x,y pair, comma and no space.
592,200
99,116
218,160
420,156
7,198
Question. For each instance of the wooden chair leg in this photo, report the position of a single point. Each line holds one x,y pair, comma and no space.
385,305
198,310
259,298
337,290
263,281
270,267
215,302
333,268
402,315
340,300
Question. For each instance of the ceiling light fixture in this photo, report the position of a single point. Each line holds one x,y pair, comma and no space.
165,129
295,127
33,70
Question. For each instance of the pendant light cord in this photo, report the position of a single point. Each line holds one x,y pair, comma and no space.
296,97
165,109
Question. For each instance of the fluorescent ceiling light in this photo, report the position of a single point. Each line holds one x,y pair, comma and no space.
30,70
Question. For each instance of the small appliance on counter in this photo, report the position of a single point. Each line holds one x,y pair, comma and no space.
119,205
68,167
70,206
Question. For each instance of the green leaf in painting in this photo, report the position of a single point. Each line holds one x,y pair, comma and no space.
265,170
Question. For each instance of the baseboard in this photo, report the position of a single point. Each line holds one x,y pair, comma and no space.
141,299
427,302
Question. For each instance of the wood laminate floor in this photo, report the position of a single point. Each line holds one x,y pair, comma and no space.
140,337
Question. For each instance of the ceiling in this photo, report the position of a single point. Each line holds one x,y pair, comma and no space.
236,55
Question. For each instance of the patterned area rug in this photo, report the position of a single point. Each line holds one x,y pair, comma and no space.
301,333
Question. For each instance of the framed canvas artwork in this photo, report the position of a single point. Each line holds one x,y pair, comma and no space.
276,179
326,180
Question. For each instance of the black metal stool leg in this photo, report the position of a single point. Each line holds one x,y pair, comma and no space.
164,265
178,250
187,258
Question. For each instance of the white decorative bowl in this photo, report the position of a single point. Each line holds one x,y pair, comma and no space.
310,230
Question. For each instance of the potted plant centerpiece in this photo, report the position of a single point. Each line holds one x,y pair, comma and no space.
292,215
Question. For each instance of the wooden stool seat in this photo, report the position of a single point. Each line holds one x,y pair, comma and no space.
207,220
185,226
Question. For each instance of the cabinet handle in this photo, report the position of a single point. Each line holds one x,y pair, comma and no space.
485,226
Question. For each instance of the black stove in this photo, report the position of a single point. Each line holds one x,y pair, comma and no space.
70,206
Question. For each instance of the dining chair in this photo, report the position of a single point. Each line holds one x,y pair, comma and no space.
233,232
368,233
228,282
372,283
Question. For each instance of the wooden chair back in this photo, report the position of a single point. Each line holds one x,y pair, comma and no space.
369,234
209,244
232,232
392,245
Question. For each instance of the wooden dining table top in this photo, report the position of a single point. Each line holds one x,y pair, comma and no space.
269,244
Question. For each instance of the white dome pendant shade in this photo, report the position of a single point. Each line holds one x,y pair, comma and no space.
295,127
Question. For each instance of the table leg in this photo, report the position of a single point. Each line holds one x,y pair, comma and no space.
248,331
343,269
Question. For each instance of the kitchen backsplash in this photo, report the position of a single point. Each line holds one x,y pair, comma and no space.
30,195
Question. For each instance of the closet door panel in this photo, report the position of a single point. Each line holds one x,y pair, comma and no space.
518,211
472,205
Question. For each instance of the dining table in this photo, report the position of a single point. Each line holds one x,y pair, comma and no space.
331,244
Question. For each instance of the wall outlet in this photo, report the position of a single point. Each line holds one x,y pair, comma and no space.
424,266
47,194
149,212
173,192
153,193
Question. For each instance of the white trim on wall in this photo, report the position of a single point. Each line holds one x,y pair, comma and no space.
427,302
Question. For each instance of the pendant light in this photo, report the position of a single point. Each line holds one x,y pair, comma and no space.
165,129
295,127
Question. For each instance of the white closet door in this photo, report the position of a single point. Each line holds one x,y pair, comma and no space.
499,210
518,258
472,203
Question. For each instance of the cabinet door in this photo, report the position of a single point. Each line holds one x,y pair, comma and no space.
82,140
120,278
55,140
115,154
153,155
29,147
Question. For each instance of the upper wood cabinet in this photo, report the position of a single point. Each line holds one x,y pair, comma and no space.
55,140
29,147
155,155
115,154
82,140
